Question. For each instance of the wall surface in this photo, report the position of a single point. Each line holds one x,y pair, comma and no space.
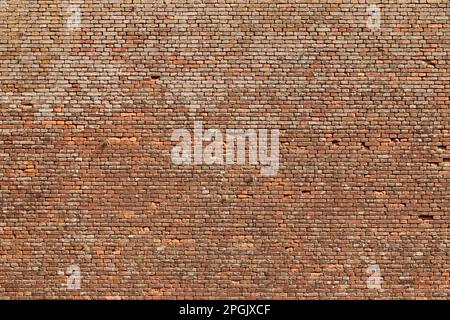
93,204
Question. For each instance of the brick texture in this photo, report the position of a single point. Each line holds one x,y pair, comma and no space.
86,177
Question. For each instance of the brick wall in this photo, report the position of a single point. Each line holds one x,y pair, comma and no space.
92,205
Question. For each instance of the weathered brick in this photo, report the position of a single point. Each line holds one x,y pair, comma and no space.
86,177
